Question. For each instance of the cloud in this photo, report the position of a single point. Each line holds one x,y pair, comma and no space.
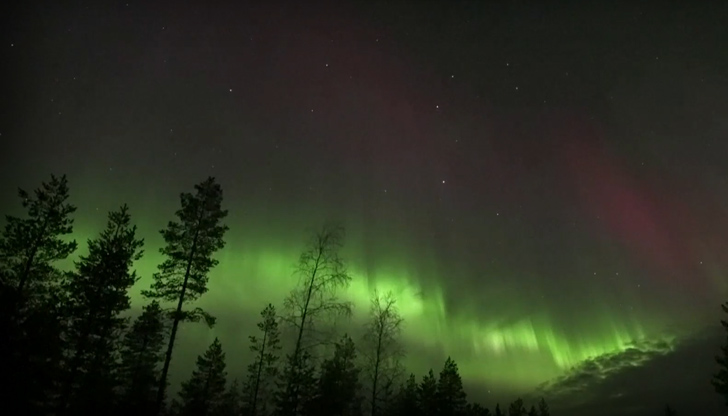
642,379
581,380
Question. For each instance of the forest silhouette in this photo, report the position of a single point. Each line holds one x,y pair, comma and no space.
69,348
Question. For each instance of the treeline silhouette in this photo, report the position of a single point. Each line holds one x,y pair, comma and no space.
68,349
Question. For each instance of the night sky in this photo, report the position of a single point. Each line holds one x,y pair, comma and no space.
544,188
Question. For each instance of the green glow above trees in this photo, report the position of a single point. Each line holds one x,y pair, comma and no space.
497,335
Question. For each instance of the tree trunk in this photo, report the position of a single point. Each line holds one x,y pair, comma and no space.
175,324
257,377
297,349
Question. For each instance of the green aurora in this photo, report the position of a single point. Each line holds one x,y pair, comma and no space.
506,342
542,187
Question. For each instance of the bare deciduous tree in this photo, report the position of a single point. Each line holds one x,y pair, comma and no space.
381,349
322,273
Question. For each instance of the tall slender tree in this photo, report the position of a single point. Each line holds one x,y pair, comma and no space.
498,411
205,389
264,368
141,356
97,294
190,244
30,318
720,379
381,349
451,396
532,411
322,273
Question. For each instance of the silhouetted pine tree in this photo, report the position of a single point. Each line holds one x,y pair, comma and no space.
406,401
297,385
141,356
30,318
669,411
338,386
451,396
516,408
475,409
205,389
30,245
263,371
322,272
230,403
532,411
427,395
381,350
543,408
190,244
97,293
720,379
498,411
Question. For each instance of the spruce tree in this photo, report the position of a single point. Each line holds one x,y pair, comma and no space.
427,395
451,396
532,411
97,294
30,314
338,384
264,369
141,356
206,387
321,272
190,245
543,408
498,411
516,408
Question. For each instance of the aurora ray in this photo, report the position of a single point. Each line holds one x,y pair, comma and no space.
544,193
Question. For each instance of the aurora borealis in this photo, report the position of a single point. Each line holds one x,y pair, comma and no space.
542,187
